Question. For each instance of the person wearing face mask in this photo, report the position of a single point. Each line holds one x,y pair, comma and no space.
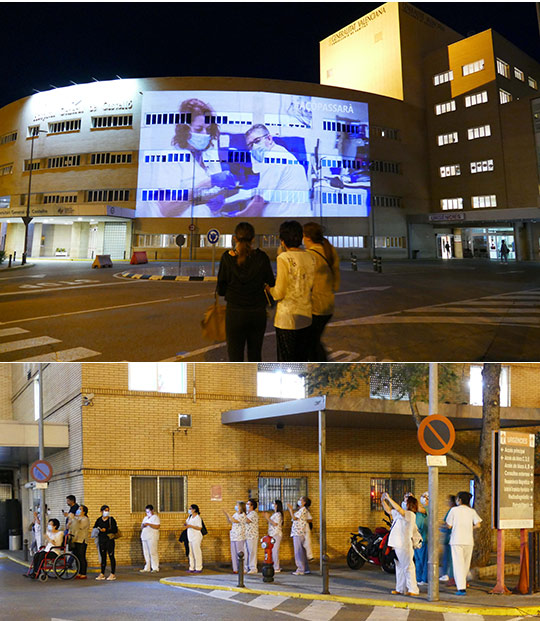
194,534
79,530
54,538
252,535
292,291
421,555
282,179
275,530
202,183
106,525
238,533
150,539
299,529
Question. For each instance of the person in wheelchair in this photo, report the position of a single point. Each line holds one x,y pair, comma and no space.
54,540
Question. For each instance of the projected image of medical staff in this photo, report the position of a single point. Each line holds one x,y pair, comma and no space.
252,154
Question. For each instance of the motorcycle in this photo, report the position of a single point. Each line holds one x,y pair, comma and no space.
372,547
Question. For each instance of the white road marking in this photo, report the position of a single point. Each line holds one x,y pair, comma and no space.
457,616
65,355
21,276
267,602
40,290
362,290
321,611
344,356
531,322
27,344
12,331
476,309
388,614
222,594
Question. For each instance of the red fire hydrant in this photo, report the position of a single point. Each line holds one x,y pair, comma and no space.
267,543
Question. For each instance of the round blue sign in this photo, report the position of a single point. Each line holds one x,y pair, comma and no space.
213,236
41,471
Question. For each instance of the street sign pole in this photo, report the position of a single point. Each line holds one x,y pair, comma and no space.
213,259
433,487
43,512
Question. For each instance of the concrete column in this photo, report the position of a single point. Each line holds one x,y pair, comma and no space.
128,249
35,250
79,240
15,238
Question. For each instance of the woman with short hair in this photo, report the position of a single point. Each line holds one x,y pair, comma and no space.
107,527
243,274
194,535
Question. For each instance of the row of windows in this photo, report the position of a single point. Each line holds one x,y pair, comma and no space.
475,167
340,198
450,171
68,161
451,138
165,195
386,167
60,127
64,161
167,157
504,96
479,132
390,242
349,128
474,67
477,202
168,118
447,106
6,138
475,99
6,169
59,198
503,68
441,78
122,120
389,133
101,196
386,201
110,158
351,164
74,125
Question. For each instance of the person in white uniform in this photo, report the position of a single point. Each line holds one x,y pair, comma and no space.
194,535
462,519
401,539
275,530
238,532
150,539
283,188
252,535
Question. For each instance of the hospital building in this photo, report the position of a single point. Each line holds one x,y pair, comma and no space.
418,142
174,434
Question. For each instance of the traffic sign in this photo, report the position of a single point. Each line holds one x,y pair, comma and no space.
180,240
213,236
41,471
191,227
436,434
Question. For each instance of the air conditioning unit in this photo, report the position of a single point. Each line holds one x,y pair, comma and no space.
184,420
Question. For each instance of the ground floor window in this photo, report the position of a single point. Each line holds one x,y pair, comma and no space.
397,488
165,494
288,490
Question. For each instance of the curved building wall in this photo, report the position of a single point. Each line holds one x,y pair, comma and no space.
106,176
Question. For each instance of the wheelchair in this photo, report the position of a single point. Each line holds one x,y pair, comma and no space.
64,566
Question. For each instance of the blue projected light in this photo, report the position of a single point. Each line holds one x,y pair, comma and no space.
230,154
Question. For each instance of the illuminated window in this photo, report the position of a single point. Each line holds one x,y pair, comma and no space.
475,386
479,132
479,202
519,74
393,241
450,171
283,381
478,65
64,161
504,96
443,139
170,377
503,68
62,127
12,136
441,78
531,81
475,99
6,169
347,241
448,106
396,488
36,399
104,122
483,166
451,203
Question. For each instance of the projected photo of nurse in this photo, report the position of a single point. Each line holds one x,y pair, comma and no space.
200,175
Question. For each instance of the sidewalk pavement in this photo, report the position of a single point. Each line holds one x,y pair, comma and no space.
369,586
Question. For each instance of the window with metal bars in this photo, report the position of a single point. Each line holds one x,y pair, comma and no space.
104,122
286,489
397,488
166,494
385,382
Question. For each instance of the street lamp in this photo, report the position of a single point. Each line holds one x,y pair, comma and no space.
27,219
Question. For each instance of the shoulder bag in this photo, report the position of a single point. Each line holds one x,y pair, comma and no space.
213,321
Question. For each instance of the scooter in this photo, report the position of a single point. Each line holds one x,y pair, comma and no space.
371,547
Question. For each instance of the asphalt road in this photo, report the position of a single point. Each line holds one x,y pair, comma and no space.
413,311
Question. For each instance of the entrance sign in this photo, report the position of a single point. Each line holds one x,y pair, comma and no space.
513,479
41,471
436,434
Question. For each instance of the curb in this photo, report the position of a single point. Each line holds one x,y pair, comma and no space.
17,267
499,611
176,278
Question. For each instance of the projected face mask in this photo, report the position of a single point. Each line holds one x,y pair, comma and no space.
257,153
199,141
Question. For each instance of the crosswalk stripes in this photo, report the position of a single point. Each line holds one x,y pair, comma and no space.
388,614
519,308
36,343
320,611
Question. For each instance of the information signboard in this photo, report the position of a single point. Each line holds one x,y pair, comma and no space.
513,479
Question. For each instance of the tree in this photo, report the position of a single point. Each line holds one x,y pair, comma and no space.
411,381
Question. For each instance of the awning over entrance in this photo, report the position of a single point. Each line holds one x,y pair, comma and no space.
19,442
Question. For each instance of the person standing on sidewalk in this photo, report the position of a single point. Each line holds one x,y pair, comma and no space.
194,535
238,533
298,533
462,519
150,539
80,530
252,535
400,539
275,530
421,555
447,572
107,527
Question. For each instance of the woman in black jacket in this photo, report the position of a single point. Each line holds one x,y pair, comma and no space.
243,274
107,526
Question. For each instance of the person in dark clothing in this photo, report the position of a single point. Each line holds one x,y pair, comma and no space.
243,274
107,526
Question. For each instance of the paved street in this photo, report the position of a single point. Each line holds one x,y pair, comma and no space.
413,311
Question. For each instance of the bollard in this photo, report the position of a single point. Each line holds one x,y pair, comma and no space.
374,264
155,255
354,262
241,570
14,256
379,265
9,264
325,574
25,550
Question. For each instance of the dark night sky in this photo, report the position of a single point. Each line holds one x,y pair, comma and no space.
53,43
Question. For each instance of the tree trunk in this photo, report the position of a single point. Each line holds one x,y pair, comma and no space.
491,417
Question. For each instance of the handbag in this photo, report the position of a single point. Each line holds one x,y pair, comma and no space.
417,540
95,532
204,530
213,322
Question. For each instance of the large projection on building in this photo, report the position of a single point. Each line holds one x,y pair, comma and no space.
246,154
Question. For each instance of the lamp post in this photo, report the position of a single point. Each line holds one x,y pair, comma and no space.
27,219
